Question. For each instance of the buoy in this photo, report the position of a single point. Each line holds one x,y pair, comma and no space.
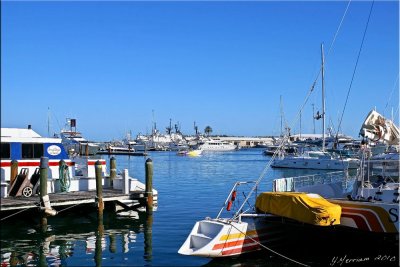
228,207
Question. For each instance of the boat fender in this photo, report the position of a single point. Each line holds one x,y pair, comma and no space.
228,207
233,196
47,206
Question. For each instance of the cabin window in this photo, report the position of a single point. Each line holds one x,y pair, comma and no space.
30,151
5,150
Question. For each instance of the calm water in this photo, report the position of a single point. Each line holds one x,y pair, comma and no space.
189,189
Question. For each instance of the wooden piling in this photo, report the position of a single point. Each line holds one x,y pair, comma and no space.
113,170
44,165
43,171
14,171
99,188
149,186
100,205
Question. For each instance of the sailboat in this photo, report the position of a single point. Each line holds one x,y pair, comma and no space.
316,159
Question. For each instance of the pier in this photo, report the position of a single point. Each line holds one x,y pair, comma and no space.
119,194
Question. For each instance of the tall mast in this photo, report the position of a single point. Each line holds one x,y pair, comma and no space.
48,121
323,98
280,98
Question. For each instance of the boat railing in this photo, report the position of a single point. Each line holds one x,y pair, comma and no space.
290,184
232,196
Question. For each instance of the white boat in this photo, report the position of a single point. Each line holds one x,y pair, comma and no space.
217,145
74,142
65,174
321,218
318,160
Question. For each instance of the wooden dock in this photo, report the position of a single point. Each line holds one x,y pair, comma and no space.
62,199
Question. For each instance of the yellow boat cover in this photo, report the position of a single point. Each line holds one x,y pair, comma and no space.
303,207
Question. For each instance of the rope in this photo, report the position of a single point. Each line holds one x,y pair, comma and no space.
65,179
16,213
267,248
355,68
69,207
391,93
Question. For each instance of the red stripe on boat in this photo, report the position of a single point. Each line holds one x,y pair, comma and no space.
372,220
241,249
360,221
34,164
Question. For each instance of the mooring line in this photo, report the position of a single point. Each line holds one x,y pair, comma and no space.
267,248
15,214
69,207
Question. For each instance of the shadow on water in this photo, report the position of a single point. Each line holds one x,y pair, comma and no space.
29,243
255,259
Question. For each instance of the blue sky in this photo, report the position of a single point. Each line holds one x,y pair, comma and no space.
119,66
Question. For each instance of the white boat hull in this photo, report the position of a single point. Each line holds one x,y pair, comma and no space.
318,164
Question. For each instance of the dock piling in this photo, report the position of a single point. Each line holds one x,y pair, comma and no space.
113,170
44,197
149,186
14,171
126,184
44,165
99,189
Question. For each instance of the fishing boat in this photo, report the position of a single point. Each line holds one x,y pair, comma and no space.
327,218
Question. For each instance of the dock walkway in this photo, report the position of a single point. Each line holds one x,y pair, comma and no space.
64,199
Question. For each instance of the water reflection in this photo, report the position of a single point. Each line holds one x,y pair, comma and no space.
24,243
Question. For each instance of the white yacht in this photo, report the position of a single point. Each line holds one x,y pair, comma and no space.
217,145
315,160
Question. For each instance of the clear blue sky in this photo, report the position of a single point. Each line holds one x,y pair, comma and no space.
117,66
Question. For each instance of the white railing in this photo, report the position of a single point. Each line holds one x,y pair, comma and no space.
290,184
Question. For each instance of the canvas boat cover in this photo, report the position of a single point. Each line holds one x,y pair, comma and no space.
303,207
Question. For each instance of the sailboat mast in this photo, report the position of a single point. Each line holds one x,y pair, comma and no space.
323,98
280,104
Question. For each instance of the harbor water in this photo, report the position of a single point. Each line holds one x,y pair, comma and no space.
189,189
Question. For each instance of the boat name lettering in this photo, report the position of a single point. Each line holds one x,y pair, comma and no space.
54,150
394,215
